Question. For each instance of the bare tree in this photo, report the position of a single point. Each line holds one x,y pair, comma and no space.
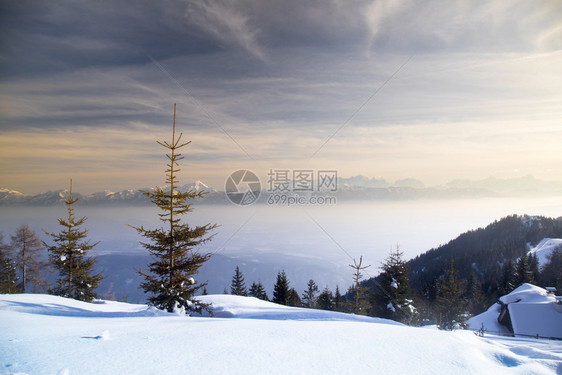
26,248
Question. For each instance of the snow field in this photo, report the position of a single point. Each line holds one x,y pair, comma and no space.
52,335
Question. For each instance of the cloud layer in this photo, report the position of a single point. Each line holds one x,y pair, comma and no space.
87,87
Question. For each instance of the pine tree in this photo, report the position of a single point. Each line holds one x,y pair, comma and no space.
551,274
293,298
68,256
281,289
390,300
338,300
325,300
534,272
507,283
257,290
361,304
474,296
308,297
8,275
238,286
174,249
522,271
26,248
450,304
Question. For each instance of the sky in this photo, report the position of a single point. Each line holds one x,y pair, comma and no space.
430,90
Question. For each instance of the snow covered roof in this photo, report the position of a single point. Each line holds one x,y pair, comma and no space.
532,310
527,293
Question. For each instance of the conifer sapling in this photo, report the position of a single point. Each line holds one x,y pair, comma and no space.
69,257
174,248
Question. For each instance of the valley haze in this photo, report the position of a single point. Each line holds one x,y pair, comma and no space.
308,242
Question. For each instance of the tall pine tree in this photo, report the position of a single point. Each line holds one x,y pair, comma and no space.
507,281
450,304
174,248
238,286
551,274
69,257
523,272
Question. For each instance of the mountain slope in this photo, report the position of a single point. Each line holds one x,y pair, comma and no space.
484,250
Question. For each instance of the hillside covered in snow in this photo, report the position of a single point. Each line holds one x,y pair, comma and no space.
42,334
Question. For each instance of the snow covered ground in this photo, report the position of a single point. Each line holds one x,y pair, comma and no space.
41,334
545,248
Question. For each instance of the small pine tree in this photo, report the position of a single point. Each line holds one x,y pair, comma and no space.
308,297
325,300
390,300
27,249
281,289
238,286
293,298
338,300
176,259
257,290
361,304
68,256
450,304
8,275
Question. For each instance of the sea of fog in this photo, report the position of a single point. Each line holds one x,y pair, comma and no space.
298,237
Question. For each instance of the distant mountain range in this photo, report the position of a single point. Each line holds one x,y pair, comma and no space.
124,197
348,189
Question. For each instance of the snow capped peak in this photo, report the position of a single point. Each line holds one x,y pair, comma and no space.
123,197
8,191
200,185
